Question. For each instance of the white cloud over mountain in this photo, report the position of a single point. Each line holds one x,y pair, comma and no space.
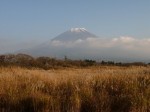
122,48
123,42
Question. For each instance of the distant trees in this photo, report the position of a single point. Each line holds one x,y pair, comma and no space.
89,62
27,61
46,62
19,59
107,62
2,58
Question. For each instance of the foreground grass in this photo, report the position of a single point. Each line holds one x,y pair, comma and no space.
96,89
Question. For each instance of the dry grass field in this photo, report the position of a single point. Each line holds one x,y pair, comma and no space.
94,89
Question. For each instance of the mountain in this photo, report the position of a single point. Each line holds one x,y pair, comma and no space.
74,34
61,45
78,43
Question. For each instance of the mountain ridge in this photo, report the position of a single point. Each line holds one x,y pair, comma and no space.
74,34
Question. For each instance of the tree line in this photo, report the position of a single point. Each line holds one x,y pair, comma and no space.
24,60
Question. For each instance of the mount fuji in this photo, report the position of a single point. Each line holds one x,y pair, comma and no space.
65,44
78,43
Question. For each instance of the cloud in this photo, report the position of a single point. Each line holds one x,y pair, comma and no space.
123,48
123,42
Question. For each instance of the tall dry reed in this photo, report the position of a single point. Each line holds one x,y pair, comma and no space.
95,89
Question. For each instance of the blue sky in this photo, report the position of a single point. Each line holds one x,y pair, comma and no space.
41,20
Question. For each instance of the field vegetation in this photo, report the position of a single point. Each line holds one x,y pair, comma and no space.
88,89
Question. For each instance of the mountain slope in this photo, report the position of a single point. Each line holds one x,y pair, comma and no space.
74,34
57,47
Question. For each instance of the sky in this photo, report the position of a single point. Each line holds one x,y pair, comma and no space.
26,23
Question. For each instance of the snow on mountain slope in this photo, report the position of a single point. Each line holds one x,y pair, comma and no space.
74,34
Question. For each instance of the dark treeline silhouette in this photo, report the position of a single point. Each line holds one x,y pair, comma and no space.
24,60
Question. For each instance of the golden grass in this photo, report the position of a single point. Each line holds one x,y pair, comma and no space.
94,89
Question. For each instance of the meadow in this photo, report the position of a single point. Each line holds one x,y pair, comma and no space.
89,89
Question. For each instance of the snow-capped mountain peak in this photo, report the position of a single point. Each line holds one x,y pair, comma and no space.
74,34
78,30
